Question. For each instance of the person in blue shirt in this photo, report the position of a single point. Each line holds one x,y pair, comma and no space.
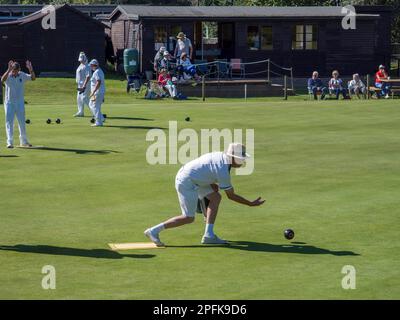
316,86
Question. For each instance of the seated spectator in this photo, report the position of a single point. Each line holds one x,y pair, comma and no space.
158,57
336,85
316,86
165,81
187,67
167,62
356,86
384,86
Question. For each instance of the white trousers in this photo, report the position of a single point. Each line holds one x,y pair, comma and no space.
13,109
189,193
82,99
95,107
171,89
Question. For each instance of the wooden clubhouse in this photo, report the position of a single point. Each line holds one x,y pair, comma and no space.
305,38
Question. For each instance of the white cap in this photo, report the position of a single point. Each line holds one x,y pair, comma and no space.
166,53
237,151
82,57
381,66
94,62
162,49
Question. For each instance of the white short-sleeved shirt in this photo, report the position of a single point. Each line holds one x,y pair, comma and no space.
82,73
183,46
98,75
14,92
354,84
210,168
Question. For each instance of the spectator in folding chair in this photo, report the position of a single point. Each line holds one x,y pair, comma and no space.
165,81
336,86
384,86
315,86
188,68
158,57
357,87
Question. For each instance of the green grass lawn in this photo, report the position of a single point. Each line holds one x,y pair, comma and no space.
329,170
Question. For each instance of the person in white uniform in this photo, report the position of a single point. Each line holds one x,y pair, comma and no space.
82,78
14,105
203,178
98,90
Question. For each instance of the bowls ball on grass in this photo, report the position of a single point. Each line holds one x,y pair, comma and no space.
289,234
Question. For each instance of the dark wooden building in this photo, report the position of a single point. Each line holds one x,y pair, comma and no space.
305,38
52,50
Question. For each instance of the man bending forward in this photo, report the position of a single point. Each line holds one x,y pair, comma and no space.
202,178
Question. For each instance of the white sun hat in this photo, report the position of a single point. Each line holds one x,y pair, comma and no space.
237,151
94,62
82,57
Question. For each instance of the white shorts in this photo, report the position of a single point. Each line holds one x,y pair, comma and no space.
189,193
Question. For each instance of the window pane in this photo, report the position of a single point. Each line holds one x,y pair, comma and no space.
253,38
266,38
160,37
309,37
309,29
298,37
173,32
299,29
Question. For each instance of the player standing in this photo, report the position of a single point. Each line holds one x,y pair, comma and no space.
82,78
14,103
98,90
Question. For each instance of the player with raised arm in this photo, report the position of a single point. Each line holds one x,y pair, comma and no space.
14,103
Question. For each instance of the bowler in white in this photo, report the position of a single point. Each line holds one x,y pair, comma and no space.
14,104
203,178
82,78
97,91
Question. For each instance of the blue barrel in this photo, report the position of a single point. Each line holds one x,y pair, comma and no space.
131,61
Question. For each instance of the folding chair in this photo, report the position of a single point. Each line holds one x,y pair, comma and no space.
201,67
237,67
222,68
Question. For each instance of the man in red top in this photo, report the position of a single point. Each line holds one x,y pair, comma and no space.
384,86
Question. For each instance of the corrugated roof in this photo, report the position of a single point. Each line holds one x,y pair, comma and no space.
136,12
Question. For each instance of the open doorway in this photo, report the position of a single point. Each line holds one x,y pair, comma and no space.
213,40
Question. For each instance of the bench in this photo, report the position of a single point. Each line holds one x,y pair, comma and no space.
375,90
394,90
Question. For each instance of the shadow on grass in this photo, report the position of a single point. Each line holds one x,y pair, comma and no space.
73,252
134,127
8,156
278,248
128,118
77,151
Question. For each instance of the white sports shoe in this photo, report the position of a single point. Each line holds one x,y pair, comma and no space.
25,145
154,237
213,240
